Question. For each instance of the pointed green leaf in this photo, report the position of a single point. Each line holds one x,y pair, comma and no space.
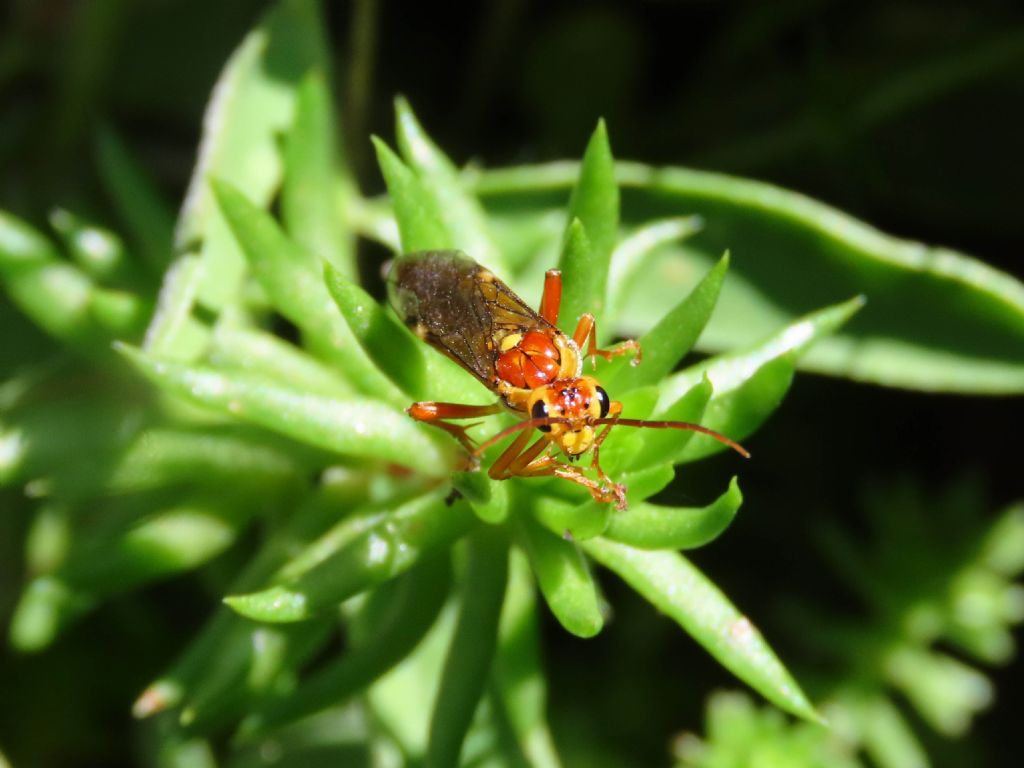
595,204
938,320
420,371
293,279
650,526
160,457
669,445
178,537
45,607
182,536
315,184
222,650
391,545
676,588
252,106
462,214
564,578
271,657
263,354
142,209
749,384
173,332
674,335
98,251
467,665
351,427
580,289
57,296
416,211
575,514
517,667
635,250
413,606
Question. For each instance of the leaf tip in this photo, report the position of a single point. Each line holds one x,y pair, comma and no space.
157,698
276,604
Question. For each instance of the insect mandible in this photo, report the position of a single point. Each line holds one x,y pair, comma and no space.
462,309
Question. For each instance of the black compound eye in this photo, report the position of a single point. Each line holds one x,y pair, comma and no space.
540,411
602,398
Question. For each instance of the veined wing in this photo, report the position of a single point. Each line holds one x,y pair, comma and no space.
459,307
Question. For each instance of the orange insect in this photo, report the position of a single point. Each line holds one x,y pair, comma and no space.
463,310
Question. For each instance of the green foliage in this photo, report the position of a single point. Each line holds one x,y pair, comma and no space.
958,593
284,473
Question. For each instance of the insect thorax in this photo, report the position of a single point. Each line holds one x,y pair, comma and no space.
526,361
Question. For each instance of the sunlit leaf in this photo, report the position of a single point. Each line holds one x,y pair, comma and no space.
652,526
352,427
791,254
563,577
679,590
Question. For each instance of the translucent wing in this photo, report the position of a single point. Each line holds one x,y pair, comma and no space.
459,307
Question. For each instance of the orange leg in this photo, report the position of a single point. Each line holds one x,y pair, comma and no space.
586,334
501,469
436,413
614,409
551,299
520,461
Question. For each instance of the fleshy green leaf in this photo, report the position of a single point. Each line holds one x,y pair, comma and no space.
633,253
165,456
253,104
676,588
468,662
669,445
790,254
420,223
145,214
570,517
488,498
651,526
406,619
263,354
666,344
385,549
58,296
564,578
517,667
315,185
579,290
173,332
595,204
749,384
293,279
179,537
462,214
220,655
420,371
351,427
98,251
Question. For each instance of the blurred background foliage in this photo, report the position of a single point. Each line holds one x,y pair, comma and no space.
904,114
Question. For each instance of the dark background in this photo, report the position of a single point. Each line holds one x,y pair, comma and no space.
909,115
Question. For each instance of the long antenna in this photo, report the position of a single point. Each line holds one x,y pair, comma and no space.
678,425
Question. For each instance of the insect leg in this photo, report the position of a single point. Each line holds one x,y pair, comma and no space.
517,462
551,299
436,413
613,410
586,334
502,468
